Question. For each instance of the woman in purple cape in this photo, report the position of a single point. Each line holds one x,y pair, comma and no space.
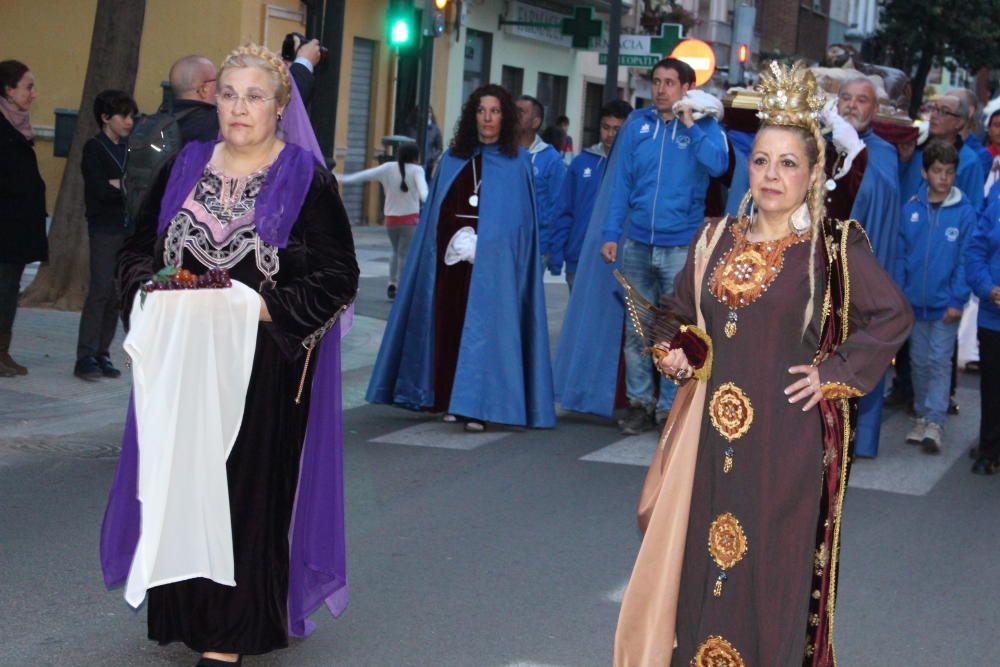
260,205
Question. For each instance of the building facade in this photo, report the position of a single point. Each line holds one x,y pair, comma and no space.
56,51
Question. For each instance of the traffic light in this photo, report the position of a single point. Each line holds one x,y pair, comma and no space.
401,24
436,17
744,18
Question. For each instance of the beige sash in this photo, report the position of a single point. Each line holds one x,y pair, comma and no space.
647,622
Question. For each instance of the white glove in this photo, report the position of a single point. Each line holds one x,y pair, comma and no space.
923,131
701,104
461,247
845,137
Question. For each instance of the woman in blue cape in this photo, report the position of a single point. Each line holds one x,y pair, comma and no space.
468,334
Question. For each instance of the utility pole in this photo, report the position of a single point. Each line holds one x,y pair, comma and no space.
432,27
614,39
323,110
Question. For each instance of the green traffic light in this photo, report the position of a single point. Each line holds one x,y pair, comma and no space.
399,33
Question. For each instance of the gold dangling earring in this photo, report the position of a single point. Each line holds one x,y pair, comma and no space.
800,220
746,202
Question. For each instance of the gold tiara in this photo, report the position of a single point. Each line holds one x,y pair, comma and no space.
789,96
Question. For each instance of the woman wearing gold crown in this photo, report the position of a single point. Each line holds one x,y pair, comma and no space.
787,318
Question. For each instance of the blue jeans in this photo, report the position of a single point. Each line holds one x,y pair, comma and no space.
651,270
931,345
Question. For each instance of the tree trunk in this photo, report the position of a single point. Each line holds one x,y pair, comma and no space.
920,80
114,58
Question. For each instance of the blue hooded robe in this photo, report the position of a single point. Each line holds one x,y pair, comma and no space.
740,183
504,372
877,207
590,343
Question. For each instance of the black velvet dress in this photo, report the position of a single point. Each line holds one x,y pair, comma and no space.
314,276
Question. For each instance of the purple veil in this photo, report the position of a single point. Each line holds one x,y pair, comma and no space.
317,551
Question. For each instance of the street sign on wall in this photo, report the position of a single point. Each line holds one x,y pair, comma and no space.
630,60
521,12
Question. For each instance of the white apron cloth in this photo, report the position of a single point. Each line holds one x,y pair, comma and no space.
192,352
968,333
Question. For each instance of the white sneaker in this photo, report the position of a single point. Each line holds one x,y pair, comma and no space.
932,438
916,434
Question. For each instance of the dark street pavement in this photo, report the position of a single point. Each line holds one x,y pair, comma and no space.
502,549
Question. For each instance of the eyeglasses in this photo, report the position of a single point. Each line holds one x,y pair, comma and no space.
944,111
252,100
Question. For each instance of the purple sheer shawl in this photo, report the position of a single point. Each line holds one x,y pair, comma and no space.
317,551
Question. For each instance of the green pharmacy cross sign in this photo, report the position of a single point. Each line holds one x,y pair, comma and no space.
581,26
670,37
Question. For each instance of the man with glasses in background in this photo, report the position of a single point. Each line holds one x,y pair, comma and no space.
949,115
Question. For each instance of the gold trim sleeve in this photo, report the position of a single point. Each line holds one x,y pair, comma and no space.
705,372
837,390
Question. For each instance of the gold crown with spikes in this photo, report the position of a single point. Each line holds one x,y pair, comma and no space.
789,96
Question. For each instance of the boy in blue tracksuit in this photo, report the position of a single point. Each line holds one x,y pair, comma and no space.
660,192
982,270
933,233
547,168
579,190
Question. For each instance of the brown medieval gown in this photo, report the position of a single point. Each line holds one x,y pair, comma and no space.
747,591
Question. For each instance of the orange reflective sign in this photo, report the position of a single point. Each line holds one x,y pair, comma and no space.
699,55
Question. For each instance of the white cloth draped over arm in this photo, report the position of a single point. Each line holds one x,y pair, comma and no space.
702,104
192,354
461,247
845,137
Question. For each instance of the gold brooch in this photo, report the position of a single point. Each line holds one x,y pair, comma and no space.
731,414
717,652
727,544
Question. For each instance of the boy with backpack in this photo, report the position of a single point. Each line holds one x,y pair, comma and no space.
103,167
935,229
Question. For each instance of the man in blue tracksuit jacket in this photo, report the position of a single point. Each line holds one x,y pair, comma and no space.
579,190
547,169
949,114
935,228
659,194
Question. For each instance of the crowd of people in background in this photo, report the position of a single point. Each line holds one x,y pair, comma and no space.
653,202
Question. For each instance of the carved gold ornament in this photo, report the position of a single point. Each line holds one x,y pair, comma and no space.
717,652
730,411
727,544
744,273
789,96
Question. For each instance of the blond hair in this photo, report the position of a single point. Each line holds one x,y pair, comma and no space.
255,55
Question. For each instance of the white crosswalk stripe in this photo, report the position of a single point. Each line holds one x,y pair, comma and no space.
633,450
440,435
